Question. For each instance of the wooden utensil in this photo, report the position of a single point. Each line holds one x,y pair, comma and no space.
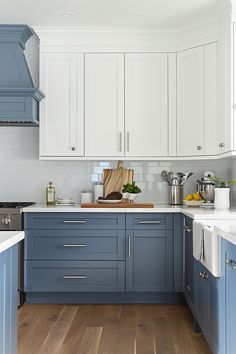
114,179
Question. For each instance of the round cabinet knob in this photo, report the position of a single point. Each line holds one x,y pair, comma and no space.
221,145
199,147
73,148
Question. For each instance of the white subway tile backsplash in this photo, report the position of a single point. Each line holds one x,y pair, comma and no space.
24,177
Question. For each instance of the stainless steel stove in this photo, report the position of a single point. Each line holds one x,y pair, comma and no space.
11,219
11,215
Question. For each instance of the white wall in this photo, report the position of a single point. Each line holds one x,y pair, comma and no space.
24,178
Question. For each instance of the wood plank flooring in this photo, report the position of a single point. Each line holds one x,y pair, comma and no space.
108,329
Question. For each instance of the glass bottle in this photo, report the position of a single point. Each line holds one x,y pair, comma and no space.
50,194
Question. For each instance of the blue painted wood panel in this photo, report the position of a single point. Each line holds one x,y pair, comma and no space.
178,252
8,301
188,262
74,221
75,244
72,276
230,297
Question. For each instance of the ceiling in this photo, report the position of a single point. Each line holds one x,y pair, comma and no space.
160,15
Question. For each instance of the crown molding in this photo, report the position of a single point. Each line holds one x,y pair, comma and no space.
112,39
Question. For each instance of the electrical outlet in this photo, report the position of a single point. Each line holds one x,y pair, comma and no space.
66,180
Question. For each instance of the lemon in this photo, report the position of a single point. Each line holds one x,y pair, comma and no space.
188,197
196,196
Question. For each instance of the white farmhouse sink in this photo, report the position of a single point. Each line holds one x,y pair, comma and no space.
206,243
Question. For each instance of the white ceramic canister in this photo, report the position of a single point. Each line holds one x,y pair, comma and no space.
86,197
221,200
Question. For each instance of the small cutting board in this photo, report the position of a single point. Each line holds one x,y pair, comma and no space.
118,205
114,179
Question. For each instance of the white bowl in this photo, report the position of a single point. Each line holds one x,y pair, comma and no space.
130,196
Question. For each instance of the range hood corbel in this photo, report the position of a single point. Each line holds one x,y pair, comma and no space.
19,76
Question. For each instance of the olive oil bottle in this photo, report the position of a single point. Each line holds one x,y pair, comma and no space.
50,194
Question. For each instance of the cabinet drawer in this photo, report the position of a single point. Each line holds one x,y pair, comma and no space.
74,221
75,245
150,221
74,276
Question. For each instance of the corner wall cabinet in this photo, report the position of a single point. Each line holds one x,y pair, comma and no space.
197,101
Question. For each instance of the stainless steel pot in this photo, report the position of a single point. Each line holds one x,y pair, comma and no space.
206,191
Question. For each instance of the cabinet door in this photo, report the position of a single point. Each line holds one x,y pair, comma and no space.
190,102
225,119
188,261
201,295
211,99
149,262
8,301
146,117
230,296
104,104
62,116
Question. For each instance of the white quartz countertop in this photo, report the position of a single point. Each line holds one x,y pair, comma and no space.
194,213
227,231
9,239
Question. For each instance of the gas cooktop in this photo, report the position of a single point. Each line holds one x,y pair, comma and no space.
14,205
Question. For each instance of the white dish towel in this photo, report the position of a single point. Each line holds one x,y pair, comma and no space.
198,241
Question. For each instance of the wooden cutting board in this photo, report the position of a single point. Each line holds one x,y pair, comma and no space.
114,179
118,205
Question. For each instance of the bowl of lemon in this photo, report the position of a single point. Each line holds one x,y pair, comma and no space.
193,200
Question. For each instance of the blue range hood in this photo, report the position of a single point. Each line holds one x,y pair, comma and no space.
19,76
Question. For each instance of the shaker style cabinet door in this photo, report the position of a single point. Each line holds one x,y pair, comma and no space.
190,102
225,120
104,104
146,111
62,110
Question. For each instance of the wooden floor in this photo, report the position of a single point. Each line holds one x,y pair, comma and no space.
108,329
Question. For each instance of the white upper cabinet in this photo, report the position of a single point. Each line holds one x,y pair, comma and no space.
211,99
190,102
104,104
225,121
146,105
62,110
197,101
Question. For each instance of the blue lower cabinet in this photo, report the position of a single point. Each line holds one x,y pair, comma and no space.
188,281
73,276
207,305
149,255
8,300
229,278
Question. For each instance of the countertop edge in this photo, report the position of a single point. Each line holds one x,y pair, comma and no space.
11,238
193,213
226,235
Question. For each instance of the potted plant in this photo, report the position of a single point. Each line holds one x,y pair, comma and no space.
222,192
130,191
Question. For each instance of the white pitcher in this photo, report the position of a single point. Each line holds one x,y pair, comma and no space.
221,200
